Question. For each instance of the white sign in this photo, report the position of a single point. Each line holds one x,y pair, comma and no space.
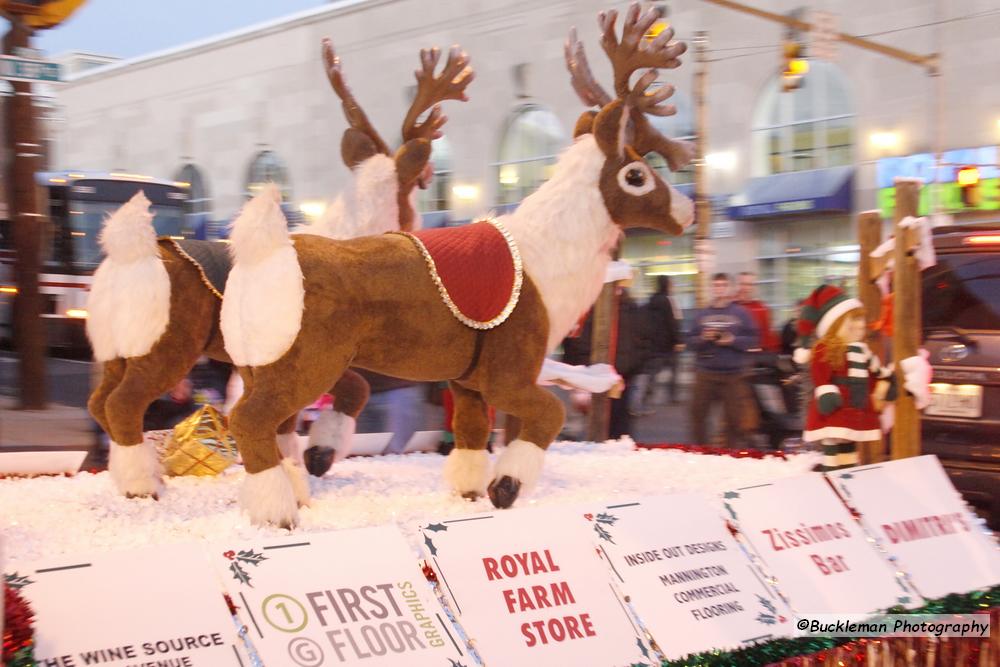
919,517
686,576
530,590
154,606
353,597
807,539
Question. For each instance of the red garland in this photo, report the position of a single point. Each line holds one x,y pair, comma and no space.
714,451
18,633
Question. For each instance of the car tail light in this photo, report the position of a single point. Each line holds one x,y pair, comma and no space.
983,239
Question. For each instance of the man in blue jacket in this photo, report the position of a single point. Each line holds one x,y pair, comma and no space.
721,337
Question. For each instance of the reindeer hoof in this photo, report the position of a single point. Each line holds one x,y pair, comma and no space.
503,492
318,460
472,495
154,496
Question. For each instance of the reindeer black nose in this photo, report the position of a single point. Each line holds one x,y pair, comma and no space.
635,177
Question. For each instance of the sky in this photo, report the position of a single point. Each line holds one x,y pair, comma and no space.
130,28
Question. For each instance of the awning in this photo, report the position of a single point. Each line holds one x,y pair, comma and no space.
795,193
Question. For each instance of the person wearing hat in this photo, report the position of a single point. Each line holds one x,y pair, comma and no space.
849,380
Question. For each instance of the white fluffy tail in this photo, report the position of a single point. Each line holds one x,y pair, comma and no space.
129,302
367,207
264,297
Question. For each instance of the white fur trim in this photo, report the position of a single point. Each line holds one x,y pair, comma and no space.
299,479
334,430
129,302
841,433
857,357
565,237
135,469
802,355
830,316
917,373
825,389
521,460
264,297
290,446
467,470
857,372
269,498
681,207
368,206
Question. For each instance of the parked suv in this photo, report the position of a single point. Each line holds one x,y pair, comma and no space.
961,318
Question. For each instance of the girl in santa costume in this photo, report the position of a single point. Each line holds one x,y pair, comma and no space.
848,379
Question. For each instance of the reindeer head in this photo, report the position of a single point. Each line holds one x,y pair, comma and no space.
361,140
634,195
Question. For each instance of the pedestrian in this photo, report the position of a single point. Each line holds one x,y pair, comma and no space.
394,406
663,329
721,337
746,288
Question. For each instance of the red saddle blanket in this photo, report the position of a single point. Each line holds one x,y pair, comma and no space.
477,270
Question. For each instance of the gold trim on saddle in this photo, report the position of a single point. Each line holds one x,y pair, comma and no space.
515,293
189,258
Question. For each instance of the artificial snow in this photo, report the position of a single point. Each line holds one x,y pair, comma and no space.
47,517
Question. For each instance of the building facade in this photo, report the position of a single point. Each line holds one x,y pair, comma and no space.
788,171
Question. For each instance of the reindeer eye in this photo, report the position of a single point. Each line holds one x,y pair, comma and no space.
636,179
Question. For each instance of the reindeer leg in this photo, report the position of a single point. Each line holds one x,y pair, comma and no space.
520,464
111,375
467,467
331,433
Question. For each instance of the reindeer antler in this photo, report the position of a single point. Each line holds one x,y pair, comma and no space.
625,59
431,90
355,116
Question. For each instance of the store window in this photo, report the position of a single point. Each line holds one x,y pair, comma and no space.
678,126
808,128
437,196
652,255
267,167
529,149
198,202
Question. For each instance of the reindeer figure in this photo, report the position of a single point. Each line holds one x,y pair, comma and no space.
154,311
388,304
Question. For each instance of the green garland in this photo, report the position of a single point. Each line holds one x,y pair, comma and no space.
777,650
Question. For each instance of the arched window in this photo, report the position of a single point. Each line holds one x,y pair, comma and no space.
678,126
267,167
808,128
529,148
199,201
437,196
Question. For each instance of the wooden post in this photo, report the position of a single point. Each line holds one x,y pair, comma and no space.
702,204
26,224
602,351
869,238
906,322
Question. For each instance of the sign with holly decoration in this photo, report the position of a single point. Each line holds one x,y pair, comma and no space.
529,589
917,516
161,605
688,580
819,555
352,597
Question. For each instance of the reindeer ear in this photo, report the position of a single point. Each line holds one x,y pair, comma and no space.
584,124
609,129
411,158
356,147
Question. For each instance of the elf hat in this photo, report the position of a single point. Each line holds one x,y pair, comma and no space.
822,308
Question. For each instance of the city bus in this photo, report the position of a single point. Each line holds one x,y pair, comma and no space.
76,204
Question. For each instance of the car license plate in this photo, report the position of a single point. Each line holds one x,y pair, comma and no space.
955,400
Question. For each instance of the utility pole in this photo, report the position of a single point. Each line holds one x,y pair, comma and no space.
869,238
603,341
906,321
26,224
702,203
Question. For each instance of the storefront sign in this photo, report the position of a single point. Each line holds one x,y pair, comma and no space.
912,508
687,578
158,606
530,590
353,597
921,165
806,538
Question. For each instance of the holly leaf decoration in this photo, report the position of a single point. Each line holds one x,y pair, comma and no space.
730,494
608,519
430,545
766,604
729,508
455,663
846,475
239,574
642,647
250,557
766,619
603,533
17,581
436,527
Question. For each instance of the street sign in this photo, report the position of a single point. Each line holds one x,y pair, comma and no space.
22,69
824,35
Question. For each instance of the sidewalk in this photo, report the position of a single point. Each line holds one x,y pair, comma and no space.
58,427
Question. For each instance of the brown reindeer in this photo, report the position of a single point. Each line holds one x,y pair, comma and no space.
154,310
388,304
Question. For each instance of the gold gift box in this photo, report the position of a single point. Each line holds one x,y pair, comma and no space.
200,445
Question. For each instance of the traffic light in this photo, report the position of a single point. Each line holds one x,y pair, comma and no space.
795,66
968,184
